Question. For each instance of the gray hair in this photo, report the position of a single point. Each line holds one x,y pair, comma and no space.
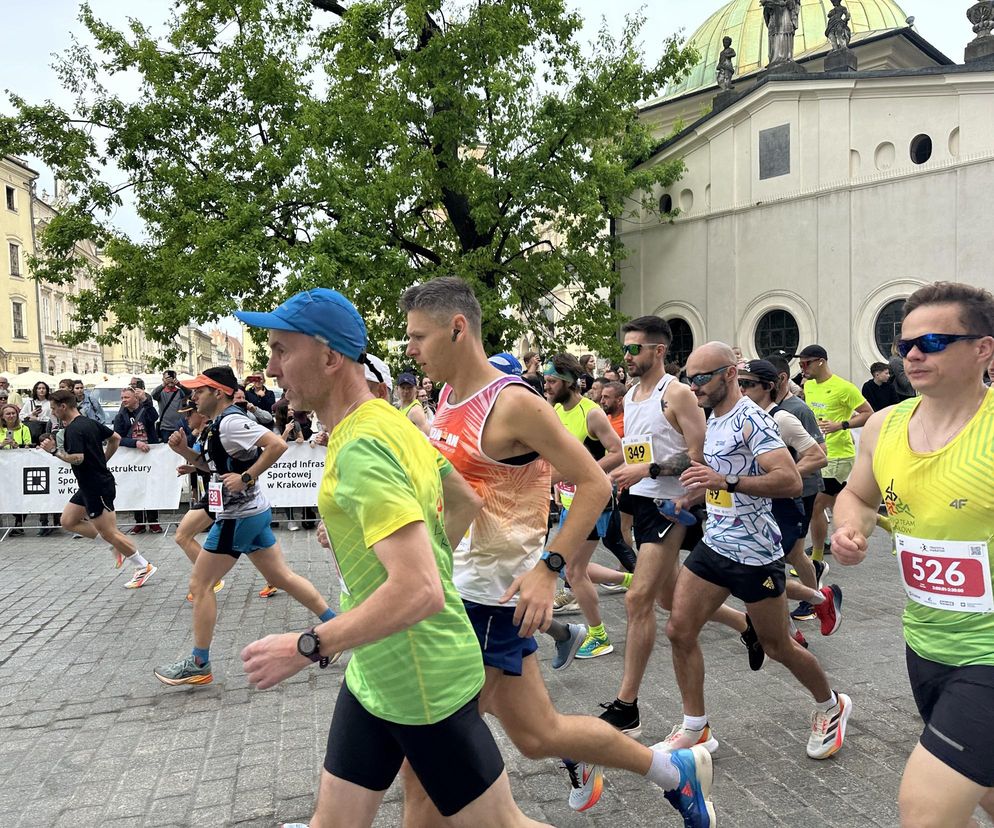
443,298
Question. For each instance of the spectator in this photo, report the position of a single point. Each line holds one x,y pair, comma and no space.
426,405
879,391
252,411
596,389
531,373
613,404
135,423
281,414
611,375
258,395
13,434
586,379
65,384
12,396
902,385
170,396
86,404
429,386
37,407
297,430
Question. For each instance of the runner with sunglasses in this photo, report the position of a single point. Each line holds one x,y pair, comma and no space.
839,407
930,457
746,464
664,434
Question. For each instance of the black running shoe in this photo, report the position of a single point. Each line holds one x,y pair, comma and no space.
624,717
757,655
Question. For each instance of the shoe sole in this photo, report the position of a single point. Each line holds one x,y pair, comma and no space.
194,680
711,746
572,653
810,617
840,736
595,793
600,652
567,610
265,594
129,585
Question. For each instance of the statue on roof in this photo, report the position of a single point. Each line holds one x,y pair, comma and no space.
838,32
726,69
782,17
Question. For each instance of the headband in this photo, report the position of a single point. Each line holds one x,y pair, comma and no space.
550,371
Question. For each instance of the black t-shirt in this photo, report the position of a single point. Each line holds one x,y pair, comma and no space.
880,396
85,436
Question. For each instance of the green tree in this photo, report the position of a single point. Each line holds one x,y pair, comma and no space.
281,144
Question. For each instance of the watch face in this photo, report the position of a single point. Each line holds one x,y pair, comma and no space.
556,561
307,644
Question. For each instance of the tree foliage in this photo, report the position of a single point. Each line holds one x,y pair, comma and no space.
282,144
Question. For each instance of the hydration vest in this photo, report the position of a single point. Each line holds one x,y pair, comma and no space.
213,452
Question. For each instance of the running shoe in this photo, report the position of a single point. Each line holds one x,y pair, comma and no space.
829,611
624,717
186,671
137,530
118,558
595,645
690,797
682,739
217,588
141,576
821,570
268,591
803,612
798,636
828,730
757,655
565,603
566,650
626,582
293,526
586,784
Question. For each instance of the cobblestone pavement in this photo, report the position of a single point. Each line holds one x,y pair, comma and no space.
89,738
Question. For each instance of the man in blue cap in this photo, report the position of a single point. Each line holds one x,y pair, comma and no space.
407,391
412,685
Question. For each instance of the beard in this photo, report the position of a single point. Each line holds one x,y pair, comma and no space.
717,397
562,397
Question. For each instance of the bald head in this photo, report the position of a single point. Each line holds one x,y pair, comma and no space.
710,356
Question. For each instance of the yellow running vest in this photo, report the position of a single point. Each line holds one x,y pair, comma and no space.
575,421
931,497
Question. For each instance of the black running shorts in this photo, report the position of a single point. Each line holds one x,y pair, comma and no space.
96,502
750,584
649,526
957,705
456,759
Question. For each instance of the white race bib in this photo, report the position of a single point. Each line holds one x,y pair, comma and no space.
637,448
946,575
720,502
215,497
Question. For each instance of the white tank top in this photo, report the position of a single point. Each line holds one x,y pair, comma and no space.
646,418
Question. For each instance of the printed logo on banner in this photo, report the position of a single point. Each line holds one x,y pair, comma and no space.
36,481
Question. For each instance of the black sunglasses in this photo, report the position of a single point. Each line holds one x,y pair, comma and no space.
704,379
748,383
932,343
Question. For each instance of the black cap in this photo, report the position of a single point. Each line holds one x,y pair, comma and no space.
782,353
814,352
759,369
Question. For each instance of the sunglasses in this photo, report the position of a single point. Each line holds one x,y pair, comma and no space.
704,379
748,383
804,363
636,349
932,343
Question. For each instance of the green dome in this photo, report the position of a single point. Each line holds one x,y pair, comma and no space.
742,20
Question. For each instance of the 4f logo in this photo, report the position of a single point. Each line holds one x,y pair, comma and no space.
959,504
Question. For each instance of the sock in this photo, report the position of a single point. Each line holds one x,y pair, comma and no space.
559,632
820,599
597,631
626,705
327,615
201,655
825,706
138,560
626,580
662,771
695,723
818,553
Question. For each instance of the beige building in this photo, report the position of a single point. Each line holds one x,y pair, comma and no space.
20,346
813,204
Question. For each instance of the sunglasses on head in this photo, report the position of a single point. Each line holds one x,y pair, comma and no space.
932,343
704,379
636,348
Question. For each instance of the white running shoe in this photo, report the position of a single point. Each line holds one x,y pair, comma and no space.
565,603
682,739
828,730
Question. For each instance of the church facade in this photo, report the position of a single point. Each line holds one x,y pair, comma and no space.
813,203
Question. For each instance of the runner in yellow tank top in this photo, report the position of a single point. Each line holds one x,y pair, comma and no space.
407,390
930,459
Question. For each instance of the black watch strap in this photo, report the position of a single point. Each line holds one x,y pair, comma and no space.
654,470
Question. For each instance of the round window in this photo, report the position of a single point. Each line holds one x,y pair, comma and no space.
683,341
921,149
777,331
887,328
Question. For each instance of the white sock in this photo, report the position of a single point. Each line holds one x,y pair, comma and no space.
695,723
662,771
138,560
825,706
818,598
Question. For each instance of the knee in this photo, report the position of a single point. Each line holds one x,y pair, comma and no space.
915,813
538,742
531,746
681,636
199,586
575,572
638,604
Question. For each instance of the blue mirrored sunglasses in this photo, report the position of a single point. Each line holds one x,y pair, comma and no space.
932,343
703,379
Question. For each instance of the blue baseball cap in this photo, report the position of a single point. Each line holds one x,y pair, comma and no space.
508,363
322,313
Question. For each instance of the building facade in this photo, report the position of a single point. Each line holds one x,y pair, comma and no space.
813,204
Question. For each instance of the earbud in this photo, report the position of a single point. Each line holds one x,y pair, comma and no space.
455,334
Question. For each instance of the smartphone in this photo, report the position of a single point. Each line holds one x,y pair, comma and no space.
243,405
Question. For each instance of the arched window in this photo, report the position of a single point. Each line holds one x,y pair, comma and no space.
777,330
887,328
921,149
683,341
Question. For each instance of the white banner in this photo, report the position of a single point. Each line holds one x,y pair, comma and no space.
37,483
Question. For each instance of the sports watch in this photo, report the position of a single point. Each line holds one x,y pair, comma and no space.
845,425
555,561
731,481
654,470
309,646
248,480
